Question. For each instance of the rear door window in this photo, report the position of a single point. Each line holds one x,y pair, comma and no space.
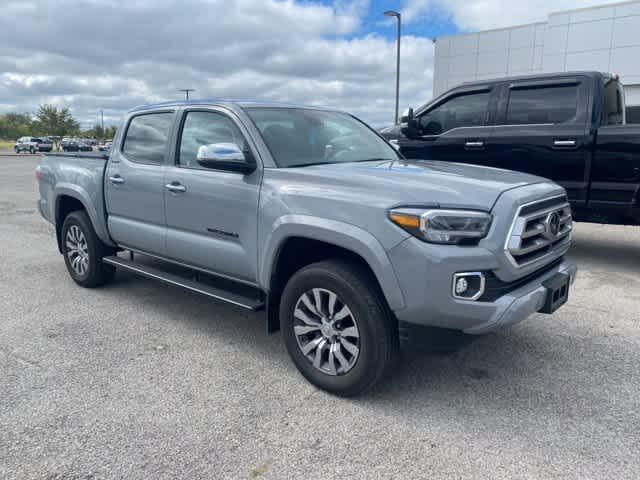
147,137
542,105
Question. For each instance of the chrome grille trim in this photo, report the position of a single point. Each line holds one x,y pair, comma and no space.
539,235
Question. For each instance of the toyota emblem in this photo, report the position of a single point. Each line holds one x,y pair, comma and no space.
552,224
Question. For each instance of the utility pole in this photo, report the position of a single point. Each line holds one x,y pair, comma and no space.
186,91
102,120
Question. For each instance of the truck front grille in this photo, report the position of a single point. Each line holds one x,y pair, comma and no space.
540,231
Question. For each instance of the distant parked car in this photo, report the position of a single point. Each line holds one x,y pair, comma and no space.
84,146
69,144
33,145
105,146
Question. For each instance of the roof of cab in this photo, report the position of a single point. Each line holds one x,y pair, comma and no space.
533,76
224,102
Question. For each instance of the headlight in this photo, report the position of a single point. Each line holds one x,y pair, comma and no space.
443,226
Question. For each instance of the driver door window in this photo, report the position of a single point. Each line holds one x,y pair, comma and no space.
205,128
468,110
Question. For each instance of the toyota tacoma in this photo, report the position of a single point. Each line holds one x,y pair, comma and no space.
311,216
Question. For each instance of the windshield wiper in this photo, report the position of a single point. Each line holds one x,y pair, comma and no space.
376,160
352,161
308,164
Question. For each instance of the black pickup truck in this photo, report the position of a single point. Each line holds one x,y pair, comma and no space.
569,127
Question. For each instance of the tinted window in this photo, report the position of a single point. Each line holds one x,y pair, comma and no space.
612,114
633,114
297,137
553,104
461,111
147,137
205,128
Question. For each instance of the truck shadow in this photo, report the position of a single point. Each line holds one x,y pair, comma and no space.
539,365
609,254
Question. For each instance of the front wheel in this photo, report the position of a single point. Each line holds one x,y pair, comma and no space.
337,327
32,151
83,252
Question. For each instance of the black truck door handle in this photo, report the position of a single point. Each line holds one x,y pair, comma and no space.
565,144
474,145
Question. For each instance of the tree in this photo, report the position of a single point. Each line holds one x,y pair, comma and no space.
15,125
51,120
98,132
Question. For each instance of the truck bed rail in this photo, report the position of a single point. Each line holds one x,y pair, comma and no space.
96,155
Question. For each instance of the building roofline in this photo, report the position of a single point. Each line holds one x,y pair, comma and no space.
558,12
477,32
594,7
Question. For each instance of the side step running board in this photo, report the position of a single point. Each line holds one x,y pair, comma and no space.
248,303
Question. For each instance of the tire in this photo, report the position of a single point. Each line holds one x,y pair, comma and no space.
376,329
84,263
32,151
16,149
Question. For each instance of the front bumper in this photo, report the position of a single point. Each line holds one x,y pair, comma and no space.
426,287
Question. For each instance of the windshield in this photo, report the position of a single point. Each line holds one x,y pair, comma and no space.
298,137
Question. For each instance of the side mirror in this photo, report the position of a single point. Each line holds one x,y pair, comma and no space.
408,124
225,156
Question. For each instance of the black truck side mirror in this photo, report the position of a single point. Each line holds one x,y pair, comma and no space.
408,124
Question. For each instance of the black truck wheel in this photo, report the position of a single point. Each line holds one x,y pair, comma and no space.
337,327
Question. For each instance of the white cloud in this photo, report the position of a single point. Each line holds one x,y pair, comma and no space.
112,55
101,54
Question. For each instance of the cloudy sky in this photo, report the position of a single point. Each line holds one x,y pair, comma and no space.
115,54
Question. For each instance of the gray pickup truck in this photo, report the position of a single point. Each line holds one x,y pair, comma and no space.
310,215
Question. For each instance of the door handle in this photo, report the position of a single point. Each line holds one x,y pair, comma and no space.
474,144
564,143
175,188
116,179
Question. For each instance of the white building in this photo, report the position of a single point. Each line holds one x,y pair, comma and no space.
603,38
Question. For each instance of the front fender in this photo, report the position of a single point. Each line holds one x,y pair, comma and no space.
336,233
97,218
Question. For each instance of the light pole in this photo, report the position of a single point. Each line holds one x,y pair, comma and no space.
186,91
392,13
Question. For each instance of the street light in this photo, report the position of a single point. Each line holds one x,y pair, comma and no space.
392,13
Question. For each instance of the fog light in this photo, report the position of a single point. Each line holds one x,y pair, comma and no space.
468,285
461,285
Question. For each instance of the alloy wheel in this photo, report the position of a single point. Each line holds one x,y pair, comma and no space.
77,250
326,331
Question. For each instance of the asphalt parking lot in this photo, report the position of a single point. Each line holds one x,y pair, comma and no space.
140,380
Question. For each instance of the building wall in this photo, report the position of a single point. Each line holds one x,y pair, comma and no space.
601,38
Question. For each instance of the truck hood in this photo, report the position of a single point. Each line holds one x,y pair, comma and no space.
428,183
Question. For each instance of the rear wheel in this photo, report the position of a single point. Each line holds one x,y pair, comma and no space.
83,252
337,327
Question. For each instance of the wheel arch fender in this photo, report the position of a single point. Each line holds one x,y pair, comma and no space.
69,190
339,234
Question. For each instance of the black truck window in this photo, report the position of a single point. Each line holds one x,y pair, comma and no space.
539,105
147,136
469,110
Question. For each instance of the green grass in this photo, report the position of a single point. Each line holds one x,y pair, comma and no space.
6,145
